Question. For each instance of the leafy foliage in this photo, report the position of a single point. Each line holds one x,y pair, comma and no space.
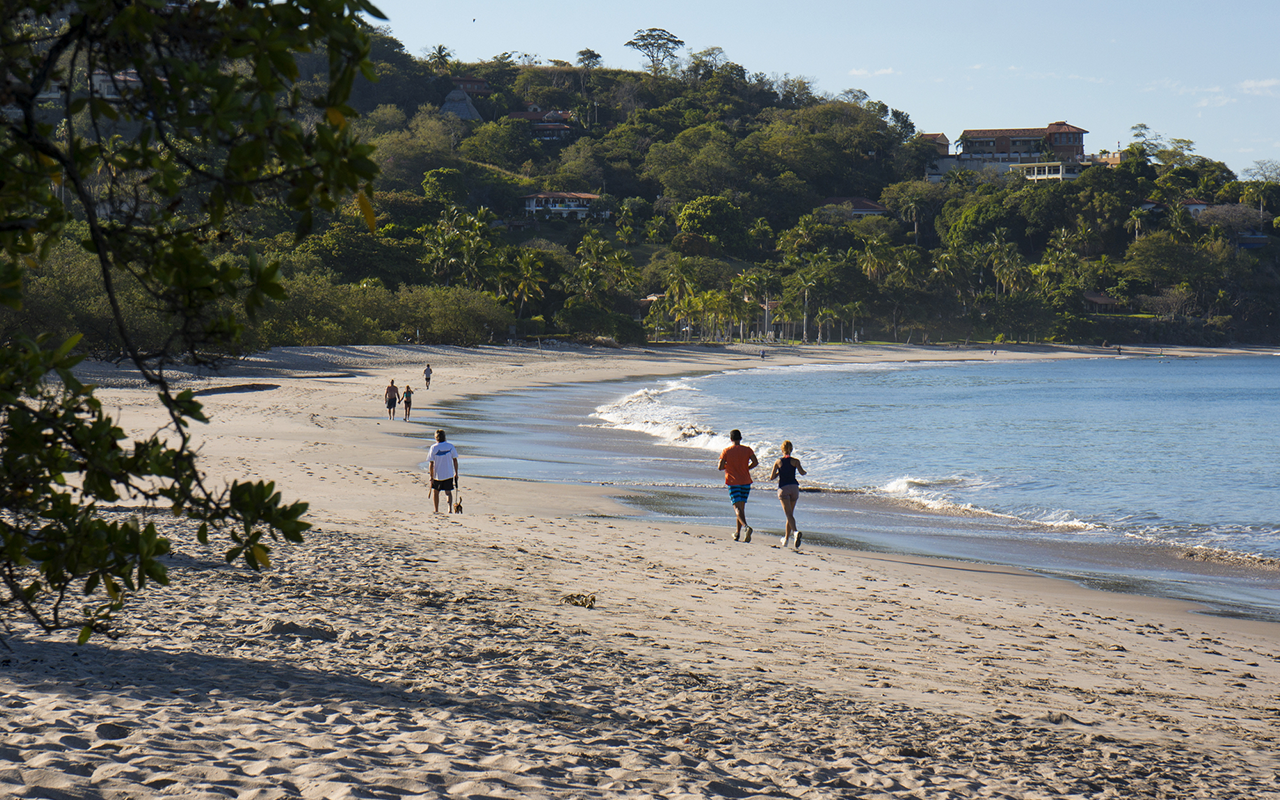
156,124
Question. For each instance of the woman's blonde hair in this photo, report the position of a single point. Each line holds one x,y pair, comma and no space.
786,447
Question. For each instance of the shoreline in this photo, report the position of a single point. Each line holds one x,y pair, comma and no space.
398,652
1225,582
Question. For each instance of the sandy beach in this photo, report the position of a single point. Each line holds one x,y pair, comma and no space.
400,653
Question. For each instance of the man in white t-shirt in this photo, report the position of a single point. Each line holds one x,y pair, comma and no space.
442,465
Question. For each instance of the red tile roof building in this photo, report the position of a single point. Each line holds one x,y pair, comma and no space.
1065,142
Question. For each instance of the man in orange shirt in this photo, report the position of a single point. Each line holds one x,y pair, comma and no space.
737,460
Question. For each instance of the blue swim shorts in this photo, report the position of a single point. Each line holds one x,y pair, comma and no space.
738,493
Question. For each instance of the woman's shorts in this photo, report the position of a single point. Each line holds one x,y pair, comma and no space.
738,493
791,492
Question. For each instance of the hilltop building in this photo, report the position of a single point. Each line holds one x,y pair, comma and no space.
1052,153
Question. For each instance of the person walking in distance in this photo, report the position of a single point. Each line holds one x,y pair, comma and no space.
442,467
736,461
785,469
393,397
408,401
426,376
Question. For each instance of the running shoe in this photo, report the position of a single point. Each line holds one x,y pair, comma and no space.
798,535
747,540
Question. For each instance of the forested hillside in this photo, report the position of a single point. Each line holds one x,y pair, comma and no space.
722,213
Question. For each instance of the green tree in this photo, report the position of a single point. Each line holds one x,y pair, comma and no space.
212,122
529,279
440,59
657,45
507,143
715,219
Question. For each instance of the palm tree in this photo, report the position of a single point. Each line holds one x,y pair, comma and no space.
761,234
959,177
807,284
953,269
440,59
1254,190
825,316
1137,220
1180,221
911,210
601,269
529,279
1004,260
678,274
753,285
854,309
877,256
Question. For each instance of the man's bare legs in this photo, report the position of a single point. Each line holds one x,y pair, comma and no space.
448,500
740,511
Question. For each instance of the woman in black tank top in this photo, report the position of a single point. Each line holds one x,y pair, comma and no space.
785,469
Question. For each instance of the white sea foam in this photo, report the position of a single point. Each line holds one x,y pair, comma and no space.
655,411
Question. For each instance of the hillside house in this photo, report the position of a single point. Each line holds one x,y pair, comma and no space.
940,141
474,87
546,125
568,205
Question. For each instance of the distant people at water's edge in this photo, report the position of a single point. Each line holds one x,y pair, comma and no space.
736,461
785,469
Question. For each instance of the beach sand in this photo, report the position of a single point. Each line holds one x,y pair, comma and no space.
400,653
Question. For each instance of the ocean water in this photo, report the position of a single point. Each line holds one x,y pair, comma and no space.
1015,462
1181,451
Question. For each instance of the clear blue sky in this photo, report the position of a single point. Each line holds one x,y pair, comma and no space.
1193,70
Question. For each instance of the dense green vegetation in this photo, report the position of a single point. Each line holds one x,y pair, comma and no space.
715,180
134,135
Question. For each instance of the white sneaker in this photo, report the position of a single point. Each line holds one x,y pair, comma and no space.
798,535
786,540
747,539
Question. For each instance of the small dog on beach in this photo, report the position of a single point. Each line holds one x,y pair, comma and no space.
457,507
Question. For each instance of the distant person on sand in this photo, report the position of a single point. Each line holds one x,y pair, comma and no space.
442,467
393,397
408,401
737,460
785,469
426,376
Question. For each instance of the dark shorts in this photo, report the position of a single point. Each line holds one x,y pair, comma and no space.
445,485
391,403
739,493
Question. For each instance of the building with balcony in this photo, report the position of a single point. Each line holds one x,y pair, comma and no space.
546,125
1050,170
1064,142
568,205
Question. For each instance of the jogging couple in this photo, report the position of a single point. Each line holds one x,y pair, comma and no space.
736,461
